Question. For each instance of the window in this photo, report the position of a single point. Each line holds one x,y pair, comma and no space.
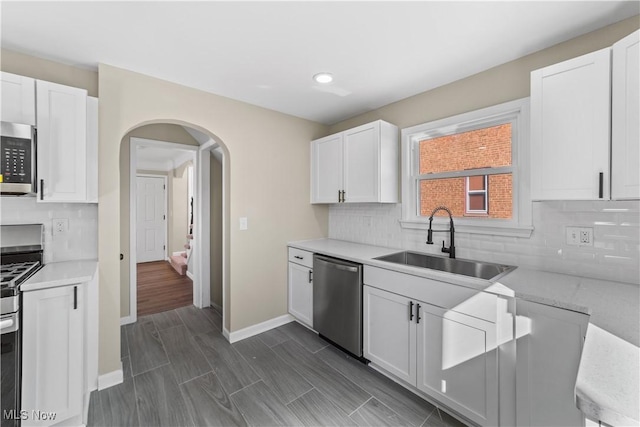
470,163
477,198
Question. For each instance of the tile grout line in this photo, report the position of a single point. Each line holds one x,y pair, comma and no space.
247,386
359,407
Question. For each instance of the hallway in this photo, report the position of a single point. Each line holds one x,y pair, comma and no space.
161,288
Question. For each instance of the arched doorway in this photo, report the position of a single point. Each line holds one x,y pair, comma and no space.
210,260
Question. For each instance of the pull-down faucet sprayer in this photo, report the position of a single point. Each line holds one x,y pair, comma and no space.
451,250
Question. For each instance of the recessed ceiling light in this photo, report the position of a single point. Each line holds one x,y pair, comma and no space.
323,77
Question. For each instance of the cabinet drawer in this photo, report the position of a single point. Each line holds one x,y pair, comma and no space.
301,257
446,295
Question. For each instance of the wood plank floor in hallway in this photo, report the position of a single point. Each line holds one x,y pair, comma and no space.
161,288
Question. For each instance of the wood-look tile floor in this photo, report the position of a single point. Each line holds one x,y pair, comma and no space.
180,371
161,288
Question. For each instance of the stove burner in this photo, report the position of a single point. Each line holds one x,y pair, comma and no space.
11,274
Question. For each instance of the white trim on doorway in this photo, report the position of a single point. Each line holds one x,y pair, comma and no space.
133,291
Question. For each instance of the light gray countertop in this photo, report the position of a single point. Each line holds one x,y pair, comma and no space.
57,274
607,387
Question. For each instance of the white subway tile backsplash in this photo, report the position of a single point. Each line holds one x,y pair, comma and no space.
615,254
79,242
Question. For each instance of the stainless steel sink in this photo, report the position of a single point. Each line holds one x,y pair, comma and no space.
481,270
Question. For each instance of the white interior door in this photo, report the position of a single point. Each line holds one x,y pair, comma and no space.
151,219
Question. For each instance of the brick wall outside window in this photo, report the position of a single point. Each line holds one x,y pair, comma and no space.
481,148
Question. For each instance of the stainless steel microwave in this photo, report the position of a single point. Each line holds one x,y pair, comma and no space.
18,162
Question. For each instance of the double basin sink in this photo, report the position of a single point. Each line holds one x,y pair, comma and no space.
480,270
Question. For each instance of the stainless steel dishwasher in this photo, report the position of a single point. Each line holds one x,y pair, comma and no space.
337,302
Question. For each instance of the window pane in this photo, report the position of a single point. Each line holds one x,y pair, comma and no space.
476,202
451,192
476,183
480,148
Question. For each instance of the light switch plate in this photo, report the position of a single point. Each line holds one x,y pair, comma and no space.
244,223
579,236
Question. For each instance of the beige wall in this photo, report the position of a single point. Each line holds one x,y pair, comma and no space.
43,69
216,231
160,132
497,85
268,181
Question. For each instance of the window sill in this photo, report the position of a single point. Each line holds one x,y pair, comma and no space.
508,230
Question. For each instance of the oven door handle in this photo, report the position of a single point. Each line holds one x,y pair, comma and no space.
6,323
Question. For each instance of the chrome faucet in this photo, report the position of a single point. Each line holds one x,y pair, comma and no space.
451,250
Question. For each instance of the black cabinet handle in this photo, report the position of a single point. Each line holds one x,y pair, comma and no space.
344,193
75,297
42,189
417,313
310,276
601,185
298,257
410,311
339,196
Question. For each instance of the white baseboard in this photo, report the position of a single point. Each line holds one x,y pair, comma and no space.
128,320
225,333
110,379
258,328
177,253
189,275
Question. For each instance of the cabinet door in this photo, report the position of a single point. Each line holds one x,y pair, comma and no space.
18,99
326,169
62,147
548,355
301,293
362,164
52,336
570,128
457,362
625,113
389,333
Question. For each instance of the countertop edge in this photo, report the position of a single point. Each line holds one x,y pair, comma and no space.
63,273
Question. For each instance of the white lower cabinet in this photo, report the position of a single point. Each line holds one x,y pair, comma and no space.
446,354
301,293
389,333
300,286
549,347
458,362
52,361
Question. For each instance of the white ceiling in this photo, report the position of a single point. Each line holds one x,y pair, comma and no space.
161,159
265,53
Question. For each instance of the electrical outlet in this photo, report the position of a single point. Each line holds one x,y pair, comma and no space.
579,236
60,225
586,236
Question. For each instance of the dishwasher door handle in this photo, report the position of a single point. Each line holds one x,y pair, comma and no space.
338,266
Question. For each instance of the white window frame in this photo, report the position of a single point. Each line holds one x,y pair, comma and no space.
514,112
470,192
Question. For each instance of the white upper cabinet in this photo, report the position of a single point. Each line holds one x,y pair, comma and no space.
62,143
570,129
625,132
18,99
326,169
359,165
